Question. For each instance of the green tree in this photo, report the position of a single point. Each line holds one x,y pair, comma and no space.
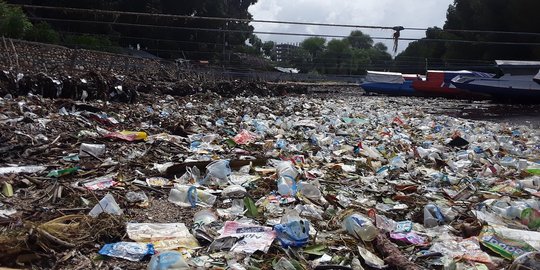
268,48
381,47
42,32
314,45
487,15
13,22
359,40
256,44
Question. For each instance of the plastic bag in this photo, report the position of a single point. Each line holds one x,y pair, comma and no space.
127,250
293,234
107,205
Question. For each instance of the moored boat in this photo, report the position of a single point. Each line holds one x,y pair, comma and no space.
520,82
389,83
505,88
439,83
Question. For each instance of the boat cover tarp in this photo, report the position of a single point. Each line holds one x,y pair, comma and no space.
384,77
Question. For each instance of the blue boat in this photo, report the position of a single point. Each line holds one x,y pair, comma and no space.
505,88
389,83
520,82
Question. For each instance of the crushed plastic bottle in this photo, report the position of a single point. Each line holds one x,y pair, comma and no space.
191,196
360,227
432,216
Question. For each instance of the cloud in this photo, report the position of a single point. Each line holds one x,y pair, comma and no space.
411,13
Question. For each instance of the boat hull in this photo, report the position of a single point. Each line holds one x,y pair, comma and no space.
503,89
390,89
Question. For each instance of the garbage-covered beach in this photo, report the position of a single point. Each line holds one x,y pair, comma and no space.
263,181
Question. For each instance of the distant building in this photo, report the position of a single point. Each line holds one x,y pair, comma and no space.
283,51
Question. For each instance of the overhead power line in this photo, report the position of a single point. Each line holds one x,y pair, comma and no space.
276,33
116,13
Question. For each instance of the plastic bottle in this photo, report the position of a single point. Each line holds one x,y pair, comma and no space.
186,196
286,169
286,186
361,227
168,260
432,216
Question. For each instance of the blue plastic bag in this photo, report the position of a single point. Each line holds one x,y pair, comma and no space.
127,250
293,234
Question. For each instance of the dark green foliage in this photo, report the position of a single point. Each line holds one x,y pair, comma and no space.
175,42
13,22
352,55
488,15
42,32
91,43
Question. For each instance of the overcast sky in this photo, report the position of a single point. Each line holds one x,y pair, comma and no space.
407,13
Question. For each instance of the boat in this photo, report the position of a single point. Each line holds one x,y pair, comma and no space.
439,83
506,88
517,84
389,83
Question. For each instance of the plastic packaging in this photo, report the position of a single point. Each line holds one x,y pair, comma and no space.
130,136
286,169
187,196
234,191
309,191
286,186
361,227
293,234
136,197
127,250
96,150
64,172
504,246
101,183
168,260
531,218
21,169
528,261
283,264
432,216
204,217
218,170
107,205
164,236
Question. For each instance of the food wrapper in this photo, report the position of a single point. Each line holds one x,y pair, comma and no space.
507,248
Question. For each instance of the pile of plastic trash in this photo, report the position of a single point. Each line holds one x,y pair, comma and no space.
295,182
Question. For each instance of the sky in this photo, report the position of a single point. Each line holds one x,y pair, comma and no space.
407,13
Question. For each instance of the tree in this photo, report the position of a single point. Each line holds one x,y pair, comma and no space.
268,48
359,40
256,43
13,22
314,45
381,47
487,15
42,32
177,38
